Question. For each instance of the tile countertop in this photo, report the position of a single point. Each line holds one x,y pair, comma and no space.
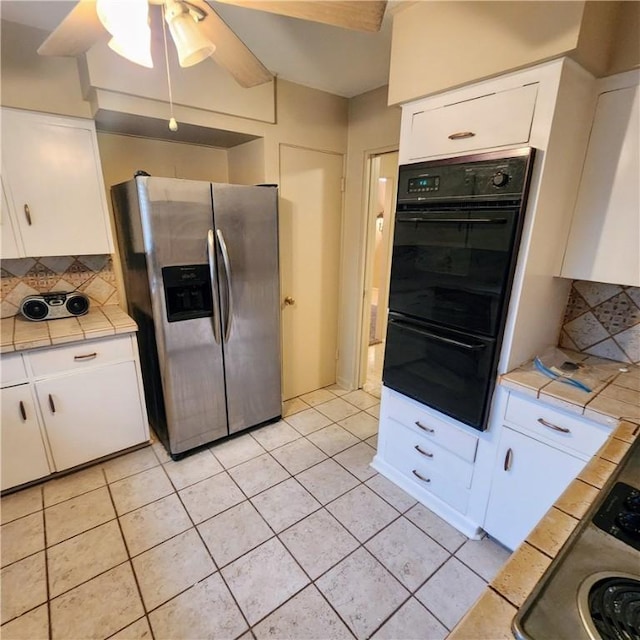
19,334
615,397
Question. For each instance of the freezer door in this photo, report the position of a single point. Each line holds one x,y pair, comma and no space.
179,243
246,220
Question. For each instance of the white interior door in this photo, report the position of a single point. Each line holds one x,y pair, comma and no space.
310,232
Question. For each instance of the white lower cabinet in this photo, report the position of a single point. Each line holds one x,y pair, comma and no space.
529,478
66,406
23,456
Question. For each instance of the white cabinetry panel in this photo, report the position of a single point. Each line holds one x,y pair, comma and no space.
54,185
604,242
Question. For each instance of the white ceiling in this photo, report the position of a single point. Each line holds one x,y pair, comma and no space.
340,61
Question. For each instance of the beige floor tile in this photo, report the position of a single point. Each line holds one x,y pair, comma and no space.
160,451
23,585
362,591
411,622
234,532
206,610
140,489
307,615
373,441
33,625
332,439
130,463
490,617
275,435
486,557
357,460
154,523
298,455
409,553
139,630
258,474
318,542
337,409
210,497
337,390
450,592
362,512
172,567
76,515
263,579
374,410
21,503
289,407
98,608
393,494
307,421
192,469
73,485
84,556
285,504
318,397
360,399
327,480
361,425
237,450
442,532
22,537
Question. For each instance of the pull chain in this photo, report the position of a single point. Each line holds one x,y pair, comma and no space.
173,125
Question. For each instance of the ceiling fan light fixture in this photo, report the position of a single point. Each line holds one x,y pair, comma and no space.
128,23
191,45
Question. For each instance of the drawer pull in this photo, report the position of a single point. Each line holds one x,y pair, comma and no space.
555,427
86,356
421,426
508,459
27,214
52,405
462,135
424,453
23,411
420,477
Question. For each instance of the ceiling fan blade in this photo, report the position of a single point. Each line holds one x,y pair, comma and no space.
231,53
360,15
76,33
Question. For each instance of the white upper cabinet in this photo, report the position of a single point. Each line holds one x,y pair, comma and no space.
7,235
53,184
604,242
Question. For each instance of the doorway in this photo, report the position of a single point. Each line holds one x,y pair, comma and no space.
383,176
310,236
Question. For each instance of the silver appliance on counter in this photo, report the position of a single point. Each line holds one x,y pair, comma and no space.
591,591
200,265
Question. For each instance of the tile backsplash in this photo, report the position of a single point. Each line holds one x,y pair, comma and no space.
92,275
603,320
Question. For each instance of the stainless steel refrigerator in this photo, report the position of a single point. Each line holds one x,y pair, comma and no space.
200,266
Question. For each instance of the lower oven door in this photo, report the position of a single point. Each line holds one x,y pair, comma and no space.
450,371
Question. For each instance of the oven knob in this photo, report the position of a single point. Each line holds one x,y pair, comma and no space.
632,503
499,179
629,523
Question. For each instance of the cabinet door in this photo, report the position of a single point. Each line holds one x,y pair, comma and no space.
604,242
22,452
54,184
91,414
529,478
7,234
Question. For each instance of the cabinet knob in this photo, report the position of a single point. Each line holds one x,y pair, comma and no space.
23,412
508,459
27,214
552,426
289,301
420,476
52,405
461,135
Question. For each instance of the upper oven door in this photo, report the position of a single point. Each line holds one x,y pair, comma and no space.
452,265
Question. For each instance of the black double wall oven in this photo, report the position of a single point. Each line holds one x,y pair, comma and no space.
457,232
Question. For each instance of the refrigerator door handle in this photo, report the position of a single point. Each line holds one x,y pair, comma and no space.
227,271
214,287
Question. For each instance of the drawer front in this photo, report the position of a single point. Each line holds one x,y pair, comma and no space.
494,120
431,428
12,369
403,444
567,431
80,355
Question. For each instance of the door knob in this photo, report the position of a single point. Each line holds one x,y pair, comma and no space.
289,300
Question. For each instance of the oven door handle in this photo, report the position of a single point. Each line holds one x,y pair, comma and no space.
455,220
435,336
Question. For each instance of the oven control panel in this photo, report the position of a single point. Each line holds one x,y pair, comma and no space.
619,514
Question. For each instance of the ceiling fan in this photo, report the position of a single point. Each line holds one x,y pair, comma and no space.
197,30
